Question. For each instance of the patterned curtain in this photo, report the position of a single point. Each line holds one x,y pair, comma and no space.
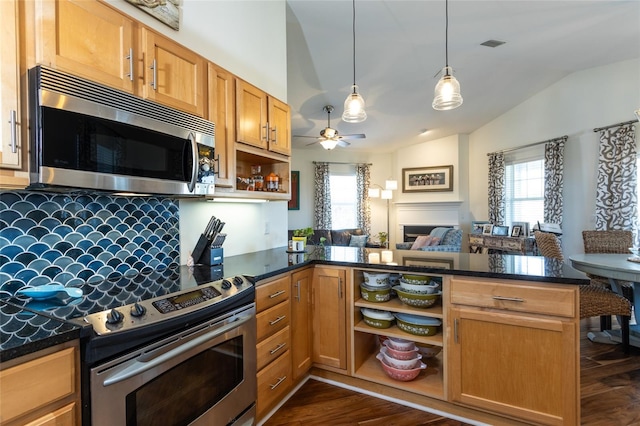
364,209
553,180
616,201
322,203
496,188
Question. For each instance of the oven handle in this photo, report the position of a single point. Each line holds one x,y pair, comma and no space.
138,367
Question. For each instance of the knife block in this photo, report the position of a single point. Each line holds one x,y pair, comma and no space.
211,256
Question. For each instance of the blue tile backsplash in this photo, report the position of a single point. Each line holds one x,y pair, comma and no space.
72,239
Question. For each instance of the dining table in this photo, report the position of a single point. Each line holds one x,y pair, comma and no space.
617,268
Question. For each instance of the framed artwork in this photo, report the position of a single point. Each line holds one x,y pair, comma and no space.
487,228
478,226
294,202
428,262
165,11
501,231
427,179
515,231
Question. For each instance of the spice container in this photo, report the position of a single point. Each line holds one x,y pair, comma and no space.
272,182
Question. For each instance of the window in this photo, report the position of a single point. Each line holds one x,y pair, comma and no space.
344,195
524,187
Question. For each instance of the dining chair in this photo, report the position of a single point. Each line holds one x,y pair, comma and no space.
595,300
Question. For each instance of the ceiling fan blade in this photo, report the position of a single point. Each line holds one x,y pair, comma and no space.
312,143
354,136
302,136
343,143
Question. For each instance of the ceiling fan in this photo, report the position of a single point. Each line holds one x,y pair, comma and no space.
329,137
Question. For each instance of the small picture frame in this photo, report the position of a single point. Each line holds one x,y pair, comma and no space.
487,228
515,231
477,227
501,231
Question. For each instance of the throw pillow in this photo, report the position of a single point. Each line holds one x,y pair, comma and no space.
421,241
435,241
358,240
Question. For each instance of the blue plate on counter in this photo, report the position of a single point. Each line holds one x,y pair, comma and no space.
47,291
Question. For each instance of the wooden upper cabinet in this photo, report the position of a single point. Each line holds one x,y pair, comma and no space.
280,126
262,120
251,115
173,75
10,123
221,96
86,38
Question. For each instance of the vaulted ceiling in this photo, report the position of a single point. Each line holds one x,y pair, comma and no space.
400,49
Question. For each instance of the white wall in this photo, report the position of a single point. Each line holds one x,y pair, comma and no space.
248,38
574,106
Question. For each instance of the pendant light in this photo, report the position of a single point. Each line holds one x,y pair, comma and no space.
354,104
447,93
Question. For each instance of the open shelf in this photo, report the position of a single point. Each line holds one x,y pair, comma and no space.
394,331
395,305
429,382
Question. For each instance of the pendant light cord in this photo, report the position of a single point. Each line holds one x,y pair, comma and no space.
446,35
354,45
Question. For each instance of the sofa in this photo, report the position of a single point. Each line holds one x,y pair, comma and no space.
440,239
338,237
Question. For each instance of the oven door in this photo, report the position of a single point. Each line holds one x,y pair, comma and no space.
203,376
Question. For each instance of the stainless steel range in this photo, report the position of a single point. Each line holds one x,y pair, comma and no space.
175,347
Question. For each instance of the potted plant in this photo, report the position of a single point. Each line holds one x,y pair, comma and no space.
383,238
302,234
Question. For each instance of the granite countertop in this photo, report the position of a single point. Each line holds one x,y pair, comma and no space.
23,331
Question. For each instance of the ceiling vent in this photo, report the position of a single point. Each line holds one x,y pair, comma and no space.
492,43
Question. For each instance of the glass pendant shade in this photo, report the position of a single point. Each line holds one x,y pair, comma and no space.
354,107
329,144
447,93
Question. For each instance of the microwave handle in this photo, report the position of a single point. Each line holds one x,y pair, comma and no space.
194,172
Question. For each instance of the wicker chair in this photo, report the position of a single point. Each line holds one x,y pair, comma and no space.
595,300
614,241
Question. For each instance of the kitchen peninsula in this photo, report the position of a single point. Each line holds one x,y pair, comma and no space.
493,307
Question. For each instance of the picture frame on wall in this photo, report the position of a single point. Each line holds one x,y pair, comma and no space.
427,179
294,202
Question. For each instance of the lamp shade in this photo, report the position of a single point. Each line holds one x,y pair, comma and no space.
447,93
329,144
391,184
386,194
374,192
354,107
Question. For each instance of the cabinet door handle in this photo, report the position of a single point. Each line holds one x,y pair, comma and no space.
508,299
154,74
276,294
280,380
455,330
13,122
216,160
277,348
275,135
130,58
298,291
277,320
266,131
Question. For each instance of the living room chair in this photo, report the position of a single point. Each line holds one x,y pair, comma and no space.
595,300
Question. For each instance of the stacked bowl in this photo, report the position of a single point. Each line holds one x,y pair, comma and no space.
400,359
376,287
418,291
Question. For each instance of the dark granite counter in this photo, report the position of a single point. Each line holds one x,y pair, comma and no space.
264,264
23,331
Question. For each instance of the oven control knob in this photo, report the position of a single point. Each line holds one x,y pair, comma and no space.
138,310
114,317
237,281
226,285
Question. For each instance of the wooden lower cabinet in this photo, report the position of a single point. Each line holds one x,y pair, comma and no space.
301,332
515,358
43,389
274,381
329,316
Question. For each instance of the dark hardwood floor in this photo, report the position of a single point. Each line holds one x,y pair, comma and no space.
610,395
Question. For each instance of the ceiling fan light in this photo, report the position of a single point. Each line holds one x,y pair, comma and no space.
447,93
329,144
354,107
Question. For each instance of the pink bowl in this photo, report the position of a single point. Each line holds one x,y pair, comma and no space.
401,375
409,354
401,364
400,344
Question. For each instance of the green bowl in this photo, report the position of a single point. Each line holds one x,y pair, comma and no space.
417,300
377,294
417,325
377,319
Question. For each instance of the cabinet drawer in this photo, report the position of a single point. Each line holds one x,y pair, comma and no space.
512,244
274,382
546,299
36,383
272,320
270,294
272,347
64,416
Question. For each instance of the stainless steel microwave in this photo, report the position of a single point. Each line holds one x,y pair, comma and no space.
86,136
